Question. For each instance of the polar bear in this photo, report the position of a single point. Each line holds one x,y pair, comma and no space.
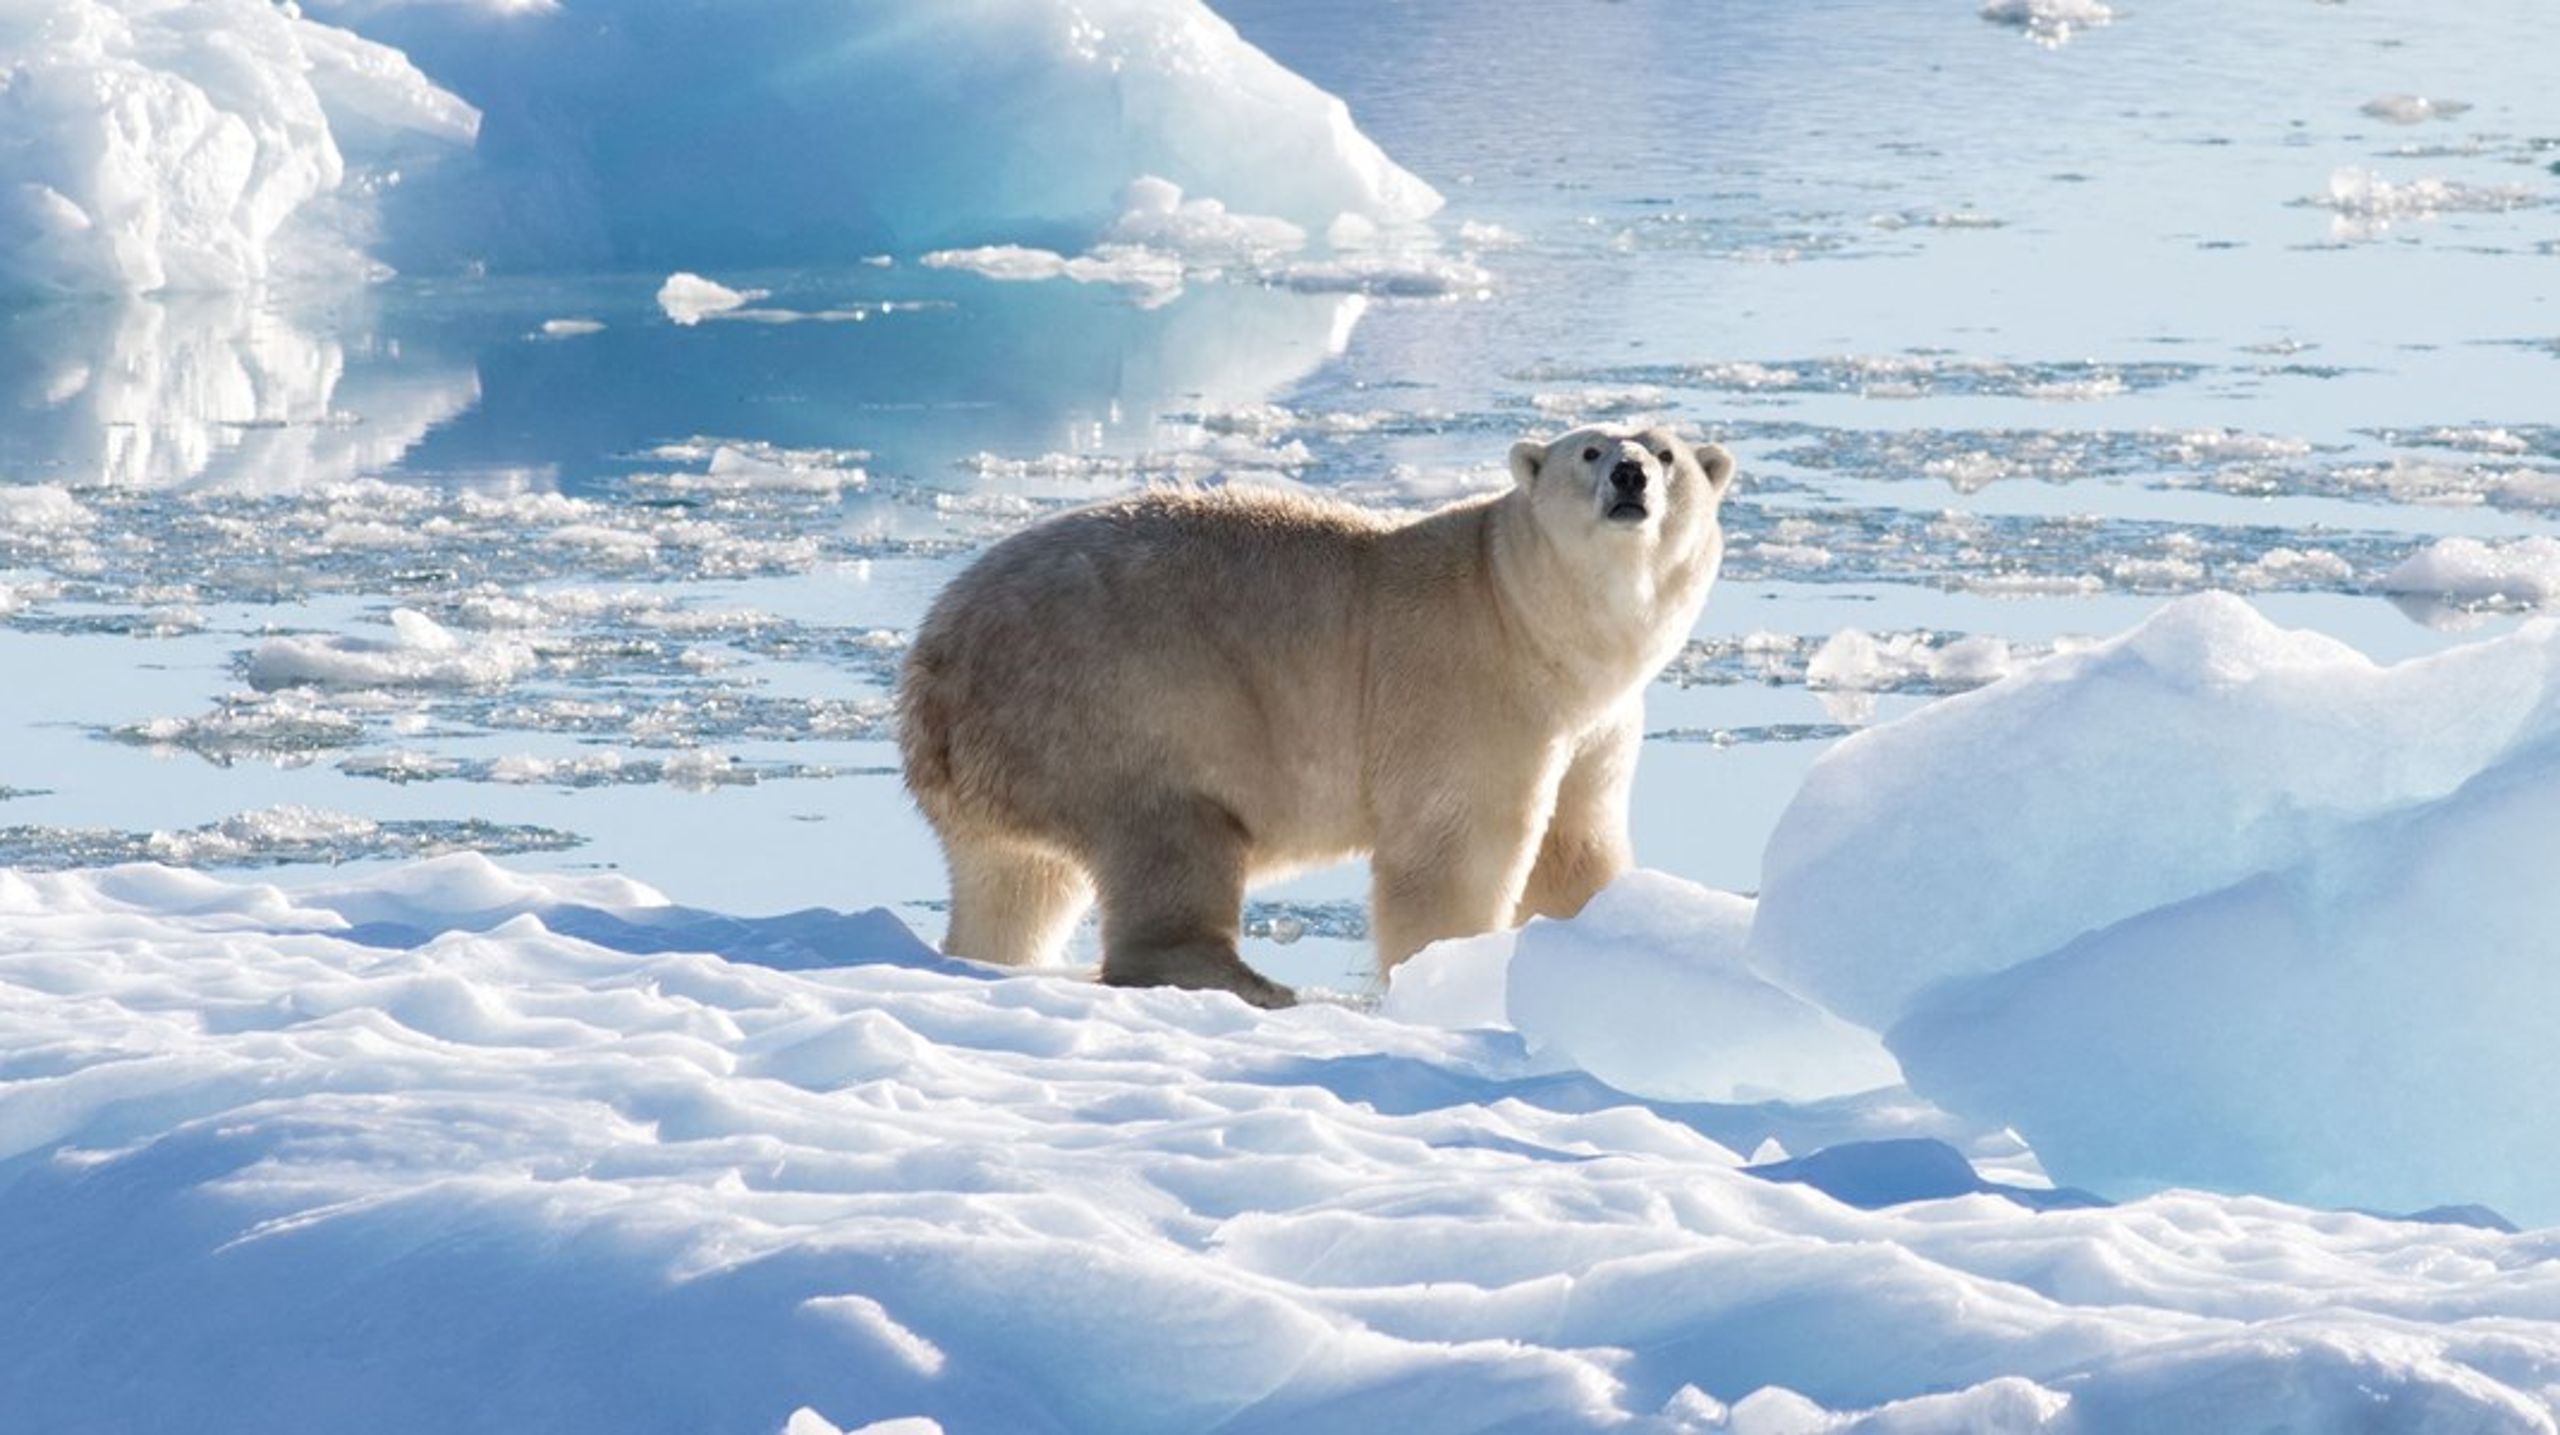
1160,699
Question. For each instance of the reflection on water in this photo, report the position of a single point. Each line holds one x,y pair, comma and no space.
213,390
261,394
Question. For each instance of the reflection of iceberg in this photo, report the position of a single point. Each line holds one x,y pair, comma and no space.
149,146
213,390
963,365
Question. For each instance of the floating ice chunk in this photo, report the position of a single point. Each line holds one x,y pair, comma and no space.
1161,239
2227,445
41,510
421,653
1420,275
1202,232
1151,272
2516,573
279,726
2292,568
1574,403
153,146
2365,203
2050,23
275,836
1012,262
1648,989
761,468
690,298
806,1421
1853,660
2412,109
574,328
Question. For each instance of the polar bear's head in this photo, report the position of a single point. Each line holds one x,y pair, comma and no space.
1641,486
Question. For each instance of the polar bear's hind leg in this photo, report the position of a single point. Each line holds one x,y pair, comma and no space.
1172,875
1011,903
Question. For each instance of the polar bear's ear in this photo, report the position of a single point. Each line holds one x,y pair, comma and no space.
1717,465
1527,456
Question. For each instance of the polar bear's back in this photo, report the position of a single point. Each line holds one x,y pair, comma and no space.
1215,640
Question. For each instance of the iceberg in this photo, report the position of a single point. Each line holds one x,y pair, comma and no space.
148,146
205,146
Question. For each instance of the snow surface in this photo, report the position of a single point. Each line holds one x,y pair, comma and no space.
448,1147
209,145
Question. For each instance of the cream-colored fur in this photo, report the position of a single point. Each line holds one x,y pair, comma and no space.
1161,699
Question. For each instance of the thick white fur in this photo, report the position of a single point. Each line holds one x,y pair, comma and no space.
1161,699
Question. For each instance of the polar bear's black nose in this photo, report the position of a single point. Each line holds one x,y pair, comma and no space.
1628,477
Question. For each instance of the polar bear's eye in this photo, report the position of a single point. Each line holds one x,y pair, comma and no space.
1665,456
1591,455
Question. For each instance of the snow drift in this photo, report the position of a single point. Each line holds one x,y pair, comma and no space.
2212,903
451,1148
148,145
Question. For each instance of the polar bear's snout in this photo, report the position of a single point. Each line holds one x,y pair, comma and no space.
1625,495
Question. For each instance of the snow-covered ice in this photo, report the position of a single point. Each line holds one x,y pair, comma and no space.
2211,902
451,1147
688,298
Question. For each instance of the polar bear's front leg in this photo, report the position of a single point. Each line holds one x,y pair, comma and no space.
1455,868
1585,846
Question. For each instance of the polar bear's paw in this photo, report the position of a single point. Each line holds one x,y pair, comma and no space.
1198,966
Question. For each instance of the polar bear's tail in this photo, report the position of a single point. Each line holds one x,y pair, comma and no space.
924,731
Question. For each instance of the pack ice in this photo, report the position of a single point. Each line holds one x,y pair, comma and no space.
147,145
448,1147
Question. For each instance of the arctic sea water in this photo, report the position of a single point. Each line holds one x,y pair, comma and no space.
2015,340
